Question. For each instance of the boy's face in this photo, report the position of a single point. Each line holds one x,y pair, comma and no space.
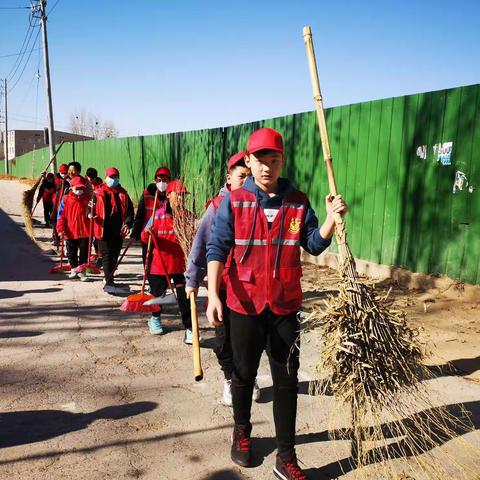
237,176
266,166
72,171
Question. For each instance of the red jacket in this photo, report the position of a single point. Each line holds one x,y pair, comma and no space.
265,268
148,200
73,221
95,183
169,255
100,195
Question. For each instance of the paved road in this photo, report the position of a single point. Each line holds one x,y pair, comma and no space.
87,393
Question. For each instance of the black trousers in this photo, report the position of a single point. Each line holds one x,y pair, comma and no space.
158,286
77,251
223,346
110,251
47,211
250,336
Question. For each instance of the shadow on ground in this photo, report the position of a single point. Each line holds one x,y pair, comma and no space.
19,428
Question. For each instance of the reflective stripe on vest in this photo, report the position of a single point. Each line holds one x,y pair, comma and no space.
166,232
244,204
239,241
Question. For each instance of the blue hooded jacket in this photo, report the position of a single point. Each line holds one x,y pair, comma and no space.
222,237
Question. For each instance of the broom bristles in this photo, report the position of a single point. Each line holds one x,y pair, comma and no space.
60,269
372,360
88,268
27,204
134,303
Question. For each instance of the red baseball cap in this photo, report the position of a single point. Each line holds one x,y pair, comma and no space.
163,171
63,168
234,159
265,139
77,182
176,186
111,171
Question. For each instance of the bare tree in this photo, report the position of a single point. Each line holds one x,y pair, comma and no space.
91,125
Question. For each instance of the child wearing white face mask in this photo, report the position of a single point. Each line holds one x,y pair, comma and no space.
145,205
73,224
113,219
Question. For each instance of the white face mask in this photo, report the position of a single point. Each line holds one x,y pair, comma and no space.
162,186
78,192
63,175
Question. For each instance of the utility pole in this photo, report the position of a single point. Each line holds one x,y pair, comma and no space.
5,140
51,130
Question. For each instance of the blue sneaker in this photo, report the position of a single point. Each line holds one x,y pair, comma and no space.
155,326
188,339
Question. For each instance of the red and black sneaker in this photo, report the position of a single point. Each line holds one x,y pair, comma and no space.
241,451
287,468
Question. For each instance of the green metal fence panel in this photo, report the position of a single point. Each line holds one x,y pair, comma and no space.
407,166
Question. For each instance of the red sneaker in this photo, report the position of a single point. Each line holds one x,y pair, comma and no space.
241,451
288,469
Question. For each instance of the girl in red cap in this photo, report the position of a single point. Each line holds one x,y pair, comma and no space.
113,214
73,223
146,207
262,225
168,258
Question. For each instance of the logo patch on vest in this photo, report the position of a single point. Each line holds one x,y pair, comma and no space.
294,225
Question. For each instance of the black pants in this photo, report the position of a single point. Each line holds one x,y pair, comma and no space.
250,335
144,253
47,211
77,251
110,251
159,285
223,346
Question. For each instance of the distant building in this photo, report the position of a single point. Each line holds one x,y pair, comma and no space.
23,141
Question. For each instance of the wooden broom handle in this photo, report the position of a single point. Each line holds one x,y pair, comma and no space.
197,361
146,268
317,97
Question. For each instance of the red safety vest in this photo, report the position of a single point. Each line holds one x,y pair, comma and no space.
170,257
48,195
148,200
266,268
73,221
100,194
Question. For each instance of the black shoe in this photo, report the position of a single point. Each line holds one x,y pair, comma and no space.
287,468
241,450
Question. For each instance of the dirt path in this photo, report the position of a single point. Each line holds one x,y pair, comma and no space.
86,392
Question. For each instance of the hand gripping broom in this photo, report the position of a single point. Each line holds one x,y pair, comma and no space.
90,267
135,302
373,363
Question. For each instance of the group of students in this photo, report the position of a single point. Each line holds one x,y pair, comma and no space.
248,246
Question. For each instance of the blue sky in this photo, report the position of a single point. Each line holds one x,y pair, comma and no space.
162,66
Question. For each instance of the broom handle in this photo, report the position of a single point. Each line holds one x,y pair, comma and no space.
61,251
119,261
149,245
317,97
90,229
54,156
160,256
197,361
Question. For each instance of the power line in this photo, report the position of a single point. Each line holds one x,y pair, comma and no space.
16,54
26,63
14,8
53,8
28,34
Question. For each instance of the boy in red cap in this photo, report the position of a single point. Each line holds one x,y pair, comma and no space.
73,223
145,205
91,175
113,214
263,224
168,258
46,193
197,271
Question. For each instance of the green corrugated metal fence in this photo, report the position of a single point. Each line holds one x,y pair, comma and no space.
403,209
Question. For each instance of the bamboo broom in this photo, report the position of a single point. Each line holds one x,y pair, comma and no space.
29,195
373,362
